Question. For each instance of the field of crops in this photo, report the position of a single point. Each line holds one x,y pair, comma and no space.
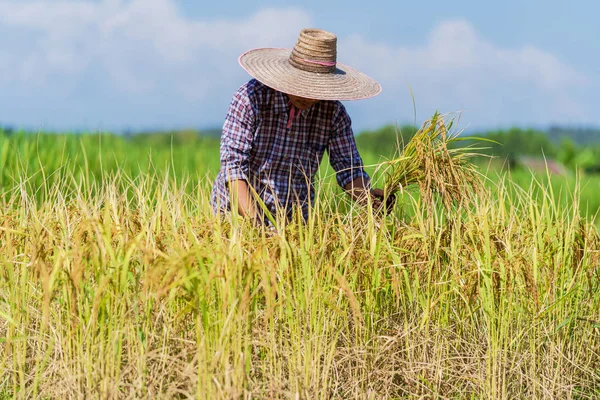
117,281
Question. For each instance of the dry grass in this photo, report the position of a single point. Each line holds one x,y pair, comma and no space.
150,296
130,287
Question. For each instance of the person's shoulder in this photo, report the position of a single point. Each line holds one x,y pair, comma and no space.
334,105
261,97
250,96
253,89
335,108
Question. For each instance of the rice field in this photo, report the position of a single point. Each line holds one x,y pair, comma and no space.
117,281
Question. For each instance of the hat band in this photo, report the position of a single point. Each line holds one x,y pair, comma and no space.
323,63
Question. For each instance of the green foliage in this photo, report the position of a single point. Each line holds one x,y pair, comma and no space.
567,152
510,144
118,284
585,158
518,141
385,141
45,157
579,135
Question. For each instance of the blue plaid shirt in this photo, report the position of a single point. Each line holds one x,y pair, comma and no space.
279,162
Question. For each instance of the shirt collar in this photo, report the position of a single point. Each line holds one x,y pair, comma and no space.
281,105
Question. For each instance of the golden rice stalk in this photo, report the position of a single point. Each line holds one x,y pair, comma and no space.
437,169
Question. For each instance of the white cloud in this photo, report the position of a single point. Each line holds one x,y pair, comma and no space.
458,69
138,42
454,48
145,62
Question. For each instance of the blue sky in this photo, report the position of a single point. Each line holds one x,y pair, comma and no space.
137,64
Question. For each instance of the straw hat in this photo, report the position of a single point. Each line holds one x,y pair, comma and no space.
309,70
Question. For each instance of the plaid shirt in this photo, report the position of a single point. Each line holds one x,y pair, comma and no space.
279,162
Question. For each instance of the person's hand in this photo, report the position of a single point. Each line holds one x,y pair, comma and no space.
359,190
381,203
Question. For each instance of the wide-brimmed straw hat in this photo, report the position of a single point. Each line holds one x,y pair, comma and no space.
309,70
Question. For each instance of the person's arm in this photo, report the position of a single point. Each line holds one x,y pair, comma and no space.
346,161
236,143
241,195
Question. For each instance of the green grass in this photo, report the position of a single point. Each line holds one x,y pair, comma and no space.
117,281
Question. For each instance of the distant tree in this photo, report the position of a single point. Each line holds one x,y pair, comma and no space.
386,141
6,130
517,141
567,151
579,135
585,159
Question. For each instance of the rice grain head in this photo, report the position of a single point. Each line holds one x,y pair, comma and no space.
430,162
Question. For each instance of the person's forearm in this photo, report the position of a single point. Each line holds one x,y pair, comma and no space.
241,194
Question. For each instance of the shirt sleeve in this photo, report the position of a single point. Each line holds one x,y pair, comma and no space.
343,154
237,137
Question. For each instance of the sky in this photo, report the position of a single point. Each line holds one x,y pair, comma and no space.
168,64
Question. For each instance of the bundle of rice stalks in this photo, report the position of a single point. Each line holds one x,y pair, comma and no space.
437,168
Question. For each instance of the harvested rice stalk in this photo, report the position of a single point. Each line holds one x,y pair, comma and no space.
427,161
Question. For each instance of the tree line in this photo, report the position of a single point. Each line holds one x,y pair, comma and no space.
580,149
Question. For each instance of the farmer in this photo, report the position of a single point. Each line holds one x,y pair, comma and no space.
281,122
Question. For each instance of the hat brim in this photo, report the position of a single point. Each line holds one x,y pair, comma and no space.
272,68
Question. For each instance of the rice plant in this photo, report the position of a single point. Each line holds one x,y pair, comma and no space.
430,162
121,283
